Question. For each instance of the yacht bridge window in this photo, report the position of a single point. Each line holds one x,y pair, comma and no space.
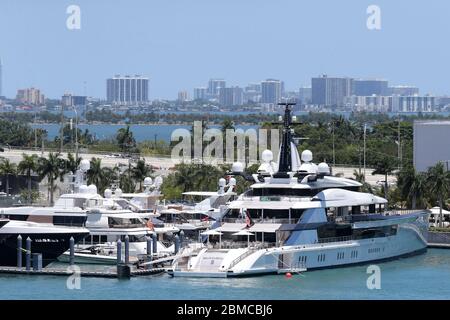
115,222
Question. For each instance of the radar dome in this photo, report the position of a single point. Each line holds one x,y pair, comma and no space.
85,165
148,182
83,188
307,156
108,193
237,167
158,181
222,182
323,168
118,192
232,182
92,189
267,156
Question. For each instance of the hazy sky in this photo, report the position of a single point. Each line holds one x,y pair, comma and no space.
180,44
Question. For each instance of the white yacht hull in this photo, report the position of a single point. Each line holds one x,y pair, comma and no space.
408,241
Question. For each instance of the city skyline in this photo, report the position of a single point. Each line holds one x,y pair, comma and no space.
198,43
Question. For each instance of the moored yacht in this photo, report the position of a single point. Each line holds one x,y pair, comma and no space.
193,219
49,240
297,217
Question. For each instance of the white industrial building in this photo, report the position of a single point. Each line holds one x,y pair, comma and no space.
431,144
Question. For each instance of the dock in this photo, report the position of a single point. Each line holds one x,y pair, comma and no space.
82,273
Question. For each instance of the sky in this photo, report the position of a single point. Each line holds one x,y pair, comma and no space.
180,44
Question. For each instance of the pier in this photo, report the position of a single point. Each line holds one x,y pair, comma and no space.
65,272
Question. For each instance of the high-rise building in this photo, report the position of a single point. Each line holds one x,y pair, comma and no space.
271,91
367,87
69,100
127,89
414,103
304,95
330,91
231,96
253,87
183,96
200,93
403,90
31,96
214,86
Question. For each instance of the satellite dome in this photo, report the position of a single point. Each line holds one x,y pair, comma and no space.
222,182
108,193
267,156
148,182
237,167
92,189
118,192
307,156
83,188
232,182
323,168
158,181
85,165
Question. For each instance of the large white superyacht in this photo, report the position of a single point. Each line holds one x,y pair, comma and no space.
297,217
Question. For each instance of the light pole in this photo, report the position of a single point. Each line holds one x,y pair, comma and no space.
399,145
364,152
334,154
76,133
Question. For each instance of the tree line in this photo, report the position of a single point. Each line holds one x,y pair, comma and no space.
54,168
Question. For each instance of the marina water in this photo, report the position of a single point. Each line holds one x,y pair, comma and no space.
426,276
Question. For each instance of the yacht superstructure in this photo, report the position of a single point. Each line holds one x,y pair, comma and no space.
296,217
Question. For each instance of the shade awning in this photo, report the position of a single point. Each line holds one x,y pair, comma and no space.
243,233
231,227
265,227
211,233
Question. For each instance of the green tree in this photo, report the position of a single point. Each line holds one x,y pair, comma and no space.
28,165
412,186
386,166
361,178
7,169
438,180
95,172
71,164
140,171
125,139
50,168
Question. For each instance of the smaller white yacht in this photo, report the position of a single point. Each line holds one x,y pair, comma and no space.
193,219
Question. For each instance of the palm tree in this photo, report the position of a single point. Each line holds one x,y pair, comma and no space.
125,139
140,172
126,183
51,168
27,166
95,173
108,177
412,186
71,164
7,168
361,178
385,166
438,180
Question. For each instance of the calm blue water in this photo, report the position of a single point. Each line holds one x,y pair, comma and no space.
141,132
422,277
